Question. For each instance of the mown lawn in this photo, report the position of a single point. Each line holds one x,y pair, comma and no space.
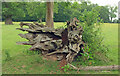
21,62
110,33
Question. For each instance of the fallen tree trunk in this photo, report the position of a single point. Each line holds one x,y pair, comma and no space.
112,67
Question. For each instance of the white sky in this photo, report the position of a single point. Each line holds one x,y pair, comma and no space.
106,2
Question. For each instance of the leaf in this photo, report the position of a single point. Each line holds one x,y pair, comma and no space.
62,67
65,70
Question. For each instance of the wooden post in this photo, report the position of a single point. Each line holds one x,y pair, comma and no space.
49,14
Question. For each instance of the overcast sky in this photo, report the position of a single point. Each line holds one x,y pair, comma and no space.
106,2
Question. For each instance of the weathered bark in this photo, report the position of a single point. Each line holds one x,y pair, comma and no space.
52,41
112,67
8,20
49,14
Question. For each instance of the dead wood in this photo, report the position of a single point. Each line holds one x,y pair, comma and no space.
58,44
52,41
112,67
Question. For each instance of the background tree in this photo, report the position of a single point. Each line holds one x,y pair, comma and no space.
113,10
38,10
63,11
10,10
104,14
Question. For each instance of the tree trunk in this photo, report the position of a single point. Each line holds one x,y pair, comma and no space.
111,19
8,21
49,14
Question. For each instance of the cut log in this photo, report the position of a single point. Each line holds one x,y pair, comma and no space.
112,67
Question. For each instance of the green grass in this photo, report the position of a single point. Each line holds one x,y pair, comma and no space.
110,33
21,62
9,39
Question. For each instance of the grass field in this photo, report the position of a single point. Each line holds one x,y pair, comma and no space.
21,62
110,32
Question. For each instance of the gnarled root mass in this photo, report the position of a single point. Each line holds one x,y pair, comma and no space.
58,44
62,42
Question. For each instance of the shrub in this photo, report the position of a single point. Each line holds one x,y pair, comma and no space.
92,36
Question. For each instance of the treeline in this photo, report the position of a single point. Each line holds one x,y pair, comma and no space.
63,11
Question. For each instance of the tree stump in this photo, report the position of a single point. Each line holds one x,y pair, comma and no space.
61,43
